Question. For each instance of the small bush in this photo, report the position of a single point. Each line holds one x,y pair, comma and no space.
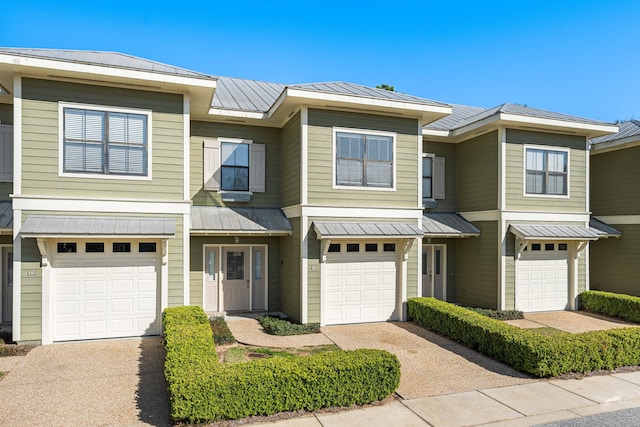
203,390
611,304
221,332
277,326
526,350
498,314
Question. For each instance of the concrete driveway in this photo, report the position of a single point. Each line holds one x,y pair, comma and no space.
431,365
116,382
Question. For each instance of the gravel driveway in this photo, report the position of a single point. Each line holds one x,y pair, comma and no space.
102,383
431,365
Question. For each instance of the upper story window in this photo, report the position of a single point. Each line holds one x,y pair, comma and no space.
433,178
234,166
364,160
234,170
547,172
105,142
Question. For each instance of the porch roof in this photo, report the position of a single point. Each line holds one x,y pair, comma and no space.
94,226
605,228
225,221
447,225
555,232
365,230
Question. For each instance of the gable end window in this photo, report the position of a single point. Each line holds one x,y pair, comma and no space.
364,160
547,172
233,165
105,142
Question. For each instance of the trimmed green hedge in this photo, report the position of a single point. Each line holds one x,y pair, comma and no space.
498,314
277,326
617,305
524,349
203,390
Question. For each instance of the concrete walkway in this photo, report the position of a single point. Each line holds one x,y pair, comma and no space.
570,321
102,383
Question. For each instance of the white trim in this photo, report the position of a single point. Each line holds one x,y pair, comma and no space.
186,141
334,158
619,219
304,155
238,114
107,109
433,132
355,212
443,273
304,265
502,170
524,171
104,70
616,144
17,135
17,275
421,178
43,203
587,178
294,211
186,257
420,156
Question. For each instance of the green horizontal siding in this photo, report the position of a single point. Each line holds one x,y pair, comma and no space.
290,289
477,267
290,161
40,124
30,292
477,173
321,160
270,137
614,182
515,171
614,265
448,151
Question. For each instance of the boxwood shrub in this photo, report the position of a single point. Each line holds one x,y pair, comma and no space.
617,305
203,390
524,349
276,326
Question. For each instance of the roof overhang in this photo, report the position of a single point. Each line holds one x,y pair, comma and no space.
200,89
555,232
225,221
291,99
62,226
447,225
365,230
608,230
590,130
617,144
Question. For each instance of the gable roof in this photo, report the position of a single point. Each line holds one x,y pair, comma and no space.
459,113
109,59
628,129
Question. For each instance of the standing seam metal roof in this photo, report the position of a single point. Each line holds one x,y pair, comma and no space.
49,225
244,220
625,130
108,59
447,224
326,229
555,232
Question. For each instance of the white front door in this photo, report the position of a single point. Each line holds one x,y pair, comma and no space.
434,271
211,270
7,284
235,282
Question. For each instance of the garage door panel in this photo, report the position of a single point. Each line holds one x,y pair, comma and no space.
104,297
542,281
359,288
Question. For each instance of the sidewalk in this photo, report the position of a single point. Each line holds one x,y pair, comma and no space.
520,405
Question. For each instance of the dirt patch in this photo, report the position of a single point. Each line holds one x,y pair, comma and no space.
601,372
15,350
234,353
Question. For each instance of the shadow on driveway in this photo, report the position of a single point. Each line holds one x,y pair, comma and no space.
152,397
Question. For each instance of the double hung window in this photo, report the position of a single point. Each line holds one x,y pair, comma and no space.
364,160
234,170
105,142
547,172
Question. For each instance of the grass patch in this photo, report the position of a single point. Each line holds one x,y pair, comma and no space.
239,354
2,374
274,325
221,332
548,331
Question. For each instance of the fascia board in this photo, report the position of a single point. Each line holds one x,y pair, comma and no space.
27,63
238,114
618,144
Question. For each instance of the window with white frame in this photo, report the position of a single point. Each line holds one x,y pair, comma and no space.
547,172
234,166
234,169
104,142
364,160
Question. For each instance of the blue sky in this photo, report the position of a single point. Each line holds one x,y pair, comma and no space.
576,56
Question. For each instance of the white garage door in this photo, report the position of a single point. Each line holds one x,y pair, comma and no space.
542,279
105,296
359,287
